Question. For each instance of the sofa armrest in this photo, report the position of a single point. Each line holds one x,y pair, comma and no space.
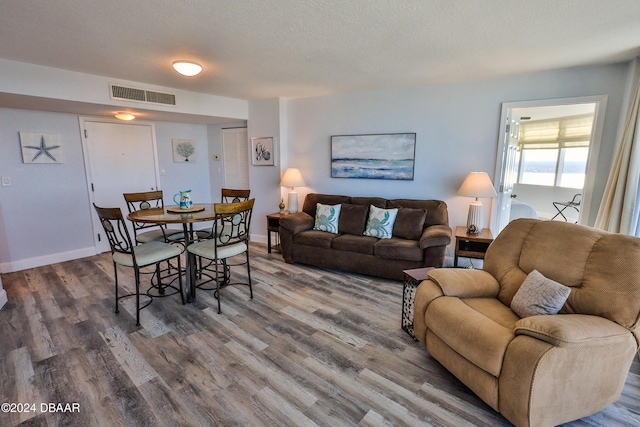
572,330
297,222
435,235
465,283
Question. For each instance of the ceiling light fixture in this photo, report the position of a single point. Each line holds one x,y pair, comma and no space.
125,116
187,68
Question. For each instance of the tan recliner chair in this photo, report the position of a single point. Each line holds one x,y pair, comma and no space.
541,370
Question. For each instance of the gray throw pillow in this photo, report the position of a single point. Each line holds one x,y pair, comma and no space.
539,295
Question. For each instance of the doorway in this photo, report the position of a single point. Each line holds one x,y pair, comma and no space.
547,153
235,149
119,158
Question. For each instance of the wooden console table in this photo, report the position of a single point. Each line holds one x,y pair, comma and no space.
471,245
273,226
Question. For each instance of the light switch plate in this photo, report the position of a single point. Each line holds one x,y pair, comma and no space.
6,181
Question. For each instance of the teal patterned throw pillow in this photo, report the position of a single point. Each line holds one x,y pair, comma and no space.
380,222
327,218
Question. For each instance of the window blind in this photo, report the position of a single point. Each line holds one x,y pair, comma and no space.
563,132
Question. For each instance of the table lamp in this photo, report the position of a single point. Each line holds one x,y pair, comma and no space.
292,178
477,184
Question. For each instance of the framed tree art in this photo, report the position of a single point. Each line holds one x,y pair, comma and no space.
379,156
184,150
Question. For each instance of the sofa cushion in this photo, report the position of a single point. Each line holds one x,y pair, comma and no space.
378,202
327,217
352,243
353,218
380,222
470,330
312,199
396,248
437,213
538,295
409,223
320,239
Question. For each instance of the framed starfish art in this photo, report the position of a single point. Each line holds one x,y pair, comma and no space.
41,147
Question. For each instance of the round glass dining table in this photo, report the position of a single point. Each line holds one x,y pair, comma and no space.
174,215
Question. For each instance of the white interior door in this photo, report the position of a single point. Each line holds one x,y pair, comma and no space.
507,164
119,158
509,172
235,149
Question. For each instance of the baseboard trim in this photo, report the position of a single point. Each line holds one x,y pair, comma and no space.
9,267
258,238
3,297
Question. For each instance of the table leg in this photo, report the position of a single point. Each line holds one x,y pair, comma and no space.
190,264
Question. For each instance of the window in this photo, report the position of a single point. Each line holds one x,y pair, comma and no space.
554,152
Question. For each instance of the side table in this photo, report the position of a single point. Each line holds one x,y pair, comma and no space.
412,278
471,245
273,226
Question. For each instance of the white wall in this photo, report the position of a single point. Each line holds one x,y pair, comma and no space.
180,176
19,78
456,126
265,119
45,214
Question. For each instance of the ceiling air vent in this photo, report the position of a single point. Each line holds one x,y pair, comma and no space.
141,95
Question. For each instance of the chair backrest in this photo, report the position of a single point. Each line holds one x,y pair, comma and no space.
602,269
116,230
229,195
146,200
232,222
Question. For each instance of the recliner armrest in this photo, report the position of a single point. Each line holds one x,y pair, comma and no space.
572,330
297,222
465,283
435,235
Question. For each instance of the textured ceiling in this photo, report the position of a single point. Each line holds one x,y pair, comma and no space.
296,48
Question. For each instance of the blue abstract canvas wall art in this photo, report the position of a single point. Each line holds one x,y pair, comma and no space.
380,156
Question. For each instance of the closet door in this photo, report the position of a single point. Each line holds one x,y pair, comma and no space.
235,148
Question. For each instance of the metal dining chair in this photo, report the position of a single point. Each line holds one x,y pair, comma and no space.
125,253
144,233
562,206
231,226
227,195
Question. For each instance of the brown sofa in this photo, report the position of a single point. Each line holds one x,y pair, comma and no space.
540,370
421,234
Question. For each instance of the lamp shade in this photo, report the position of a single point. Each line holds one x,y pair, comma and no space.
292,178
477,184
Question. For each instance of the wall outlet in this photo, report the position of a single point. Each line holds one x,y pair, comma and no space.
6,181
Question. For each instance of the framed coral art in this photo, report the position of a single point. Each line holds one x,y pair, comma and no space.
184,150
41,148
262,151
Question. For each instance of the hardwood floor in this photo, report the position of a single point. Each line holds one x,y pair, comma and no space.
313,347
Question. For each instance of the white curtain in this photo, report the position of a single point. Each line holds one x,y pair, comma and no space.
620,210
